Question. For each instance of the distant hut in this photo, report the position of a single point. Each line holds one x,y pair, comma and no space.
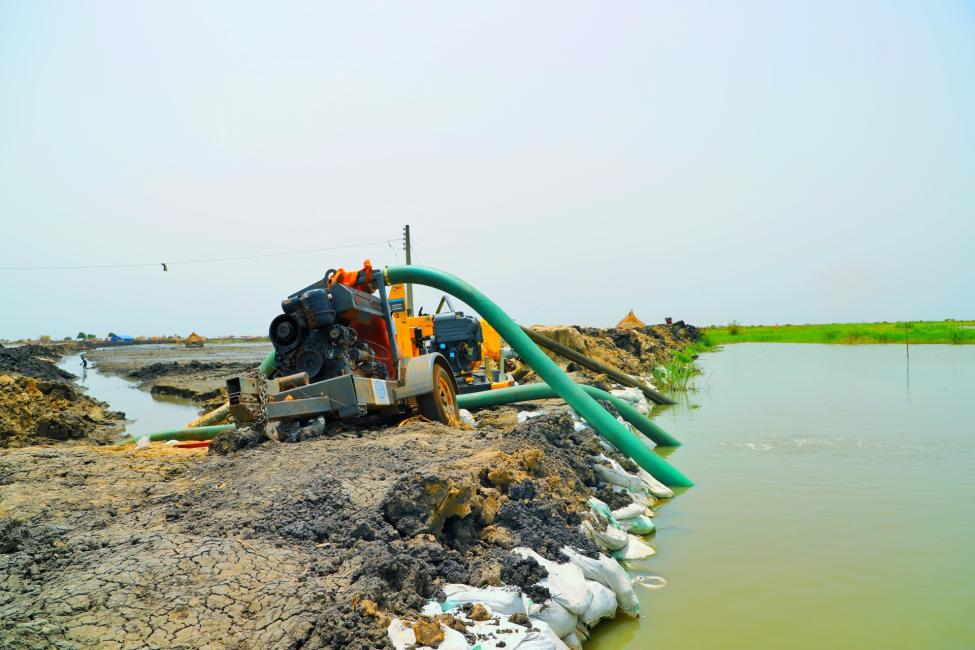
194,340
630,322
121,339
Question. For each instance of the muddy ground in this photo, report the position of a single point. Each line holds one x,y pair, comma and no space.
274,547
311,544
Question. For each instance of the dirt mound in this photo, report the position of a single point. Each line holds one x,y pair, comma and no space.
634,351
32,361
162,369
35,411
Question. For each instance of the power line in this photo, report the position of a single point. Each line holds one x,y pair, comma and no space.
194,261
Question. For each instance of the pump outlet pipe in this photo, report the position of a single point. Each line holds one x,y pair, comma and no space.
530,392
598,417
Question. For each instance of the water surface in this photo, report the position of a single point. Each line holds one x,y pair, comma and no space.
145,413
834,506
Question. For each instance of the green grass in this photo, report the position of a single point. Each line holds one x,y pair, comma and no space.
956,332
677,375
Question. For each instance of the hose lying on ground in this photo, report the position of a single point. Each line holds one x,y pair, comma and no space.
529,392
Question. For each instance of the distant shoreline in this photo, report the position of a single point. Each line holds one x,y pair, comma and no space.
952,332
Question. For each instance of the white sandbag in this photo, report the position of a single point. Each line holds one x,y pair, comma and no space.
400,634
527,415
630,511
635,397
467,418
497,632
582,632
608,572
572,641
503,600
641,498
641,525
609,538
431,609
600,510
561,620
578,423
541,638
655,487
452,640
565,582
602,605
635,550
619,477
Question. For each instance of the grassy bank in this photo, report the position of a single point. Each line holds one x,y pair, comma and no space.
954,332
677,374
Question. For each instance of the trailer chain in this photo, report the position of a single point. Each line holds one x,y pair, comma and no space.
260,423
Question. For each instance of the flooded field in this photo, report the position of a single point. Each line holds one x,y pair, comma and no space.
834,506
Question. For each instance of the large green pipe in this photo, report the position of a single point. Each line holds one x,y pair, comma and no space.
598,417
529,392
194,433
592,364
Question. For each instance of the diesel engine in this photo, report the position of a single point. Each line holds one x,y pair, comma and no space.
324,331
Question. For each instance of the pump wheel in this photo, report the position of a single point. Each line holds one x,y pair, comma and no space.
441,404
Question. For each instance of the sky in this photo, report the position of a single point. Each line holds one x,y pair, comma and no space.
764,162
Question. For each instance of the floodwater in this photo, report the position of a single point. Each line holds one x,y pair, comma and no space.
145,413
834,506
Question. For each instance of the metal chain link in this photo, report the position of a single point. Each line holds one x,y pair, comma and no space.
260,423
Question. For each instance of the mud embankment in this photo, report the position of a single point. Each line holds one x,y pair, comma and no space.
634,351
40,404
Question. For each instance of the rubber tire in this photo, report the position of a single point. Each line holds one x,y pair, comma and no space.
441,404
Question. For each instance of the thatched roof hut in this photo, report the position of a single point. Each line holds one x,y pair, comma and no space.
630,322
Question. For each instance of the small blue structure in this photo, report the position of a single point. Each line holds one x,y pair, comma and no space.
121,339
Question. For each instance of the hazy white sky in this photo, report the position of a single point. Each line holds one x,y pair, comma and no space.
764,162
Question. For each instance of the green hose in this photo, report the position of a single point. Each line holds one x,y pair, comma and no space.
529,392
194,433
598,417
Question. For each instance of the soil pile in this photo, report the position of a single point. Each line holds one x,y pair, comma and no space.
39,404
36,411
161,369
37,361
634,351
313,544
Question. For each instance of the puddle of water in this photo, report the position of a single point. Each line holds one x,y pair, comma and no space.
145,412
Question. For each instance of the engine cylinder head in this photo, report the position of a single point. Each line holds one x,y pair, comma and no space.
318,308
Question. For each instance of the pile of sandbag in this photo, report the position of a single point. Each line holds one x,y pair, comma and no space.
583,591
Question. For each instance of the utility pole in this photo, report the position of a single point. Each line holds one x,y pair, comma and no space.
409,260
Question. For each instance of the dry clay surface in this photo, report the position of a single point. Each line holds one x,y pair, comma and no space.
311,544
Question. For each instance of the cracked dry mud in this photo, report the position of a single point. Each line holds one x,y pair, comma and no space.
305,545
